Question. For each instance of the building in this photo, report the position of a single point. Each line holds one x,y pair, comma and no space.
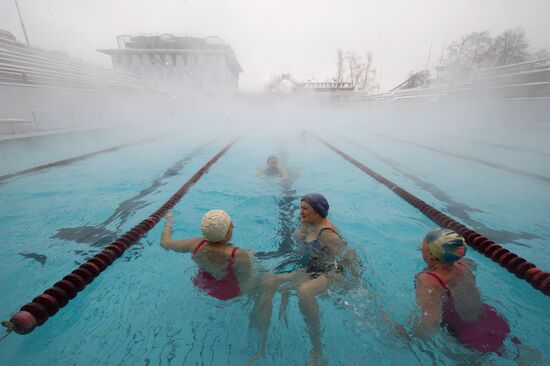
285,84
326,86
188,61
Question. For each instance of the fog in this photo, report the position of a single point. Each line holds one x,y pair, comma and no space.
358,100
270,37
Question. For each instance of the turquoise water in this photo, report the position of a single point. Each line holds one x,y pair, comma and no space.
144,310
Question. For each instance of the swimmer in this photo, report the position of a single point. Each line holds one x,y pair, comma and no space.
324,258
273,169
446,292
224,270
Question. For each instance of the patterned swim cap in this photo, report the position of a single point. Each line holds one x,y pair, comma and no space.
445,245
215,224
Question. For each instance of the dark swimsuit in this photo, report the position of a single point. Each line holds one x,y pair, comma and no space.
317,258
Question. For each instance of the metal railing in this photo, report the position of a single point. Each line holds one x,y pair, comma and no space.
515,68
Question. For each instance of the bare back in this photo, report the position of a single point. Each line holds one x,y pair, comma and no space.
215,259
461,282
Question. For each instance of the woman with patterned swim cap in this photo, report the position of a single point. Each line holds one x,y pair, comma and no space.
446,292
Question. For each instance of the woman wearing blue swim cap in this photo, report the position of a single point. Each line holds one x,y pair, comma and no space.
325,257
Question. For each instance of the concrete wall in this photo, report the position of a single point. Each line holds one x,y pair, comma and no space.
187,70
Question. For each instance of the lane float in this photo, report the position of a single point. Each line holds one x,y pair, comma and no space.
47,304
523,269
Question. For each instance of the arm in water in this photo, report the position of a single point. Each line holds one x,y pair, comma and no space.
429,299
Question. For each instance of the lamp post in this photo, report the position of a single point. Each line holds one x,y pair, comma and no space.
22,24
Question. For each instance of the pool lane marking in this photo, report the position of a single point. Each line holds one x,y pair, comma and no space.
50,301
523,269
75,158
89,234
505,147
458,209
508,169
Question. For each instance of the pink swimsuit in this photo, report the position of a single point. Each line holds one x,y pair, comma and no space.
224,288
485,334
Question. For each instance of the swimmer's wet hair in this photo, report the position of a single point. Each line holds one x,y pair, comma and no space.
215,224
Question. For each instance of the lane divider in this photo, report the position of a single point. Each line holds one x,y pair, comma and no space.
48,303
523,269
75,158
504,168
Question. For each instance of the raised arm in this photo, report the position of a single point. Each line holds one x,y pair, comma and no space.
183,246
428,297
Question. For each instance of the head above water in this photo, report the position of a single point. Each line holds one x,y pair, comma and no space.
216,226
272,158
272,161
318,203
445,245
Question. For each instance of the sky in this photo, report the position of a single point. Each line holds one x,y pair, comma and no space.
299,37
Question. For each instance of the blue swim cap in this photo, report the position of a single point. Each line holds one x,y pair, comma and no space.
272,157
318,202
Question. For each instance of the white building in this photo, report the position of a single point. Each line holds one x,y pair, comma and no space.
191,62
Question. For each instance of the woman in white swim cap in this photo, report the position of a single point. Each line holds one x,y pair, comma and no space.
225,271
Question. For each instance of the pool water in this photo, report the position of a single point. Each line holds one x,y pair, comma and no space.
144,310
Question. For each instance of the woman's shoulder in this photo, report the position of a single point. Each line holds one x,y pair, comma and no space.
240,254
329,231
429,279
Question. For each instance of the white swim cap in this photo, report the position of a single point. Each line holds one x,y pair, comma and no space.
215,224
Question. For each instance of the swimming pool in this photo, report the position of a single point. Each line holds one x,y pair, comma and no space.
144,310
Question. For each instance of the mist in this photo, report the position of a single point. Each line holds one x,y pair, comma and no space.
406,116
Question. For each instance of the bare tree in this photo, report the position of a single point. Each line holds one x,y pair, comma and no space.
340,66
478,50
355,67
510,47
368,80
352,68
540,54
471,51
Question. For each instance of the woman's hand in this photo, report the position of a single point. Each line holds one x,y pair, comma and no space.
165,238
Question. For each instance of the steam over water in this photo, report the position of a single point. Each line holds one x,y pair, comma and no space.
484,163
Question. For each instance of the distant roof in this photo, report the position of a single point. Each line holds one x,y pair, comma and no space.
169,41
172,44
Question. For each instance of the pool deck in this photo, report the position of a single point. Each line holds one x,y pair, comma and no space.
56,132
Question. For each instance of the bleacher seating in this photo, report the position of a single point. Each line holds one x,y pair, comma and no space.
24,65
525,80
